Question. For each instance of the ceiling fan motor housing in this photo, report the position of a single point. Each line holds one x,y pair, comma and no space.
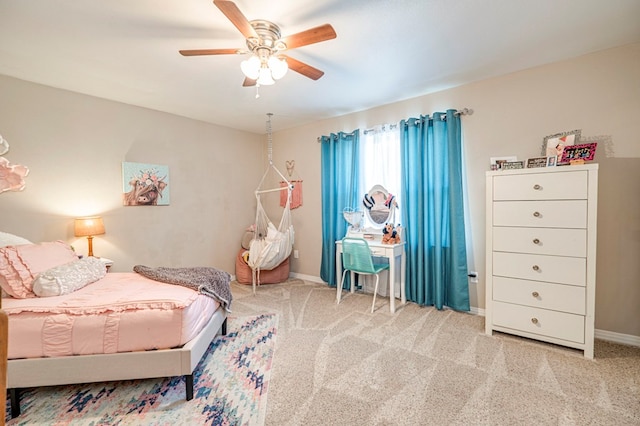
269,38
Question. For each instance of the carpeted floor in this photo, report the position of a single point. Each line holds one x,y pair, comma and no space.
230,388
341,365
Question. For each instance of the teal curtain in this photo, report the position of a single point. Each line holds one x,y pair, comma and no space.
433,212
339,173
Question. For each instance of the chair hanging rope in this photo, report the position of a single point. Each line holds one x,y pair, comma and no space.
271,245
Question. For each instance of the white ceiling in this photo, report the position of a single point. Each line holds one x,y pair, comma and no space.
385,51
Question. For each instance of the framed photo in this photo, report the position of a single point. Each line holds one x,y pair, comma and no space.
581,152
497,162
537,162
145,184
512,165
551,161
555,144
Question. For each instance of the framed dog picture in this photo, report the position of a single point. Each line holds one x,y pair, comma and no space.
578,153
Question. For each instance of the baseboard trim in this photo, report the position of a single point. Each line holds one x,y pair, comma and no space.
612,336
307,277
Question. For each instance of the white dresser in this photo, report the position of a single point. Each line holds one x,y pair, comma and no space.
541,254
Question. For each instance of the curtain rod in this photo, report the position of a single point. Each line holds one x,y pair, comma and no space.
463,111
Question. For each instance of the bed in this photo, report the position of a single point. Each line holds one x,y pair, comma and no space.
88,325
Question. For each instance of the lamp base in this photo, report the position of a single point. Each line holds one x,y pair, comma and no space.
90,239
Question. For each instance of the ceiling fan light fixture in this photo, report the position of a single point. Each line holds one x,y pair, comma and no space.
278,67
251,67
265,78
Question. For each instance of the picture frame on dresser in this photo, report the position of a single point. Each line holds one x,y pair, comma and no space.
555,144
535,162
581,152
510,165
497,162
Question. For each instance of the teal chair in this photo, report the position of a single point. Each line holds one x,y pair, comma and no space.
356,258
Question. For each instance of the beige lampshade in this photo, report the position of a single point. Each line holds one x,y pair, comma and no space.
89,226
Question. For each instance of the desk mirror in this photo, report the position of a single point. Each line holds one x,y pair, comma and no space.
379,206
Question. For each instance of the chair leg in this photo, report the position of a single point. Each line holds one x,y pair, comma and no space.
375,293
339,289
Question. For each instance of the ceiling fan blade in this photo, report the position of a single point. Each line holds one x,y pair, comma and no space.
313,35
304,69
236,17
198,52
248,82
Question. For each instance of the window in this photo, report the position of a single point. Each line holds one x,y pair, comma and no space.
380,163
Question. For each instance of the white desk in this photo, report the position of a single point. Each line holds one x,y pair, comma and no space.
391,252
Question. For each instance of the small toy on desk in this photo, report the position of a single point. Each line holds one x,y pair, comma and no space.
390,235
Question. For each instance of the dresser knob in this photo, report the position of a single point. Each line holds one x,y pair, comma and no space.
535,294
537,187
536,268
534,320
536,241
536,214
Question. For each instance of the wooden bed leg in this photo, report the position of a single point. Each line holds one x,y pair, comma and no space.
223,328
14,394
189,386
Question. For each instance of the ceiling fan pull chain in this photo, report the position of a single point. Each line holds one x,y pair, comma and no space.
257,91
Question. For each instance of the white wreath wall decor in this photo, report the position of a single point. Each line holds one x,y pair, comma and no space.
4,146
11,175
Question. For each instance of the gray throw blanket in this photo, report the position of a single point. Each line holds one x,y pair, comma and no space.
209,281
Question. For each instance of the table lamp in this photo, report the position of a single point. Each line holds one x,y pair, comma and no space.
88,227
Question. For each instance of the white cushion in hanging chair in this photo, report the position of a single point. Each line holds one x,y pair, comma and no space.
269,252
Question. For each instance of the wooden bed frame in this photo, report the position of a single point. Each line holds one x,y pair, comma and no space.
34,372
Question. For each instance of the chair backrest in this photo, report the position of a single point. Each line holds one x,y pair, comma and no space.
356,255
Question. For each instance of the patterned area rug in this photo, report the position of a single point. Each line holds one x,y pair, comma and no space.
230,388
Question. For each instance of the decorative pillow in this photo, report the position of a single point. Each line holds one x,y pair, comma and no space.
67,278
7,239
20,265
246,239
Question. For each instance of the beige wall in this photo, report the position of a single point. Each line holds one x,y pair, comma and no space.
598,93
74,146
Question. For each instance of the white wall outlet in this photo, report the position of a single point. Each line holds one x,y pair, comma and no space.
473,277
296,254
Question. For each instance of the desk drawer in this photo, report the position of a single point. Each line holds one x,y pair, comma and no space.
551,241
378,251
541,186
543,322
558,297
555,269
543,214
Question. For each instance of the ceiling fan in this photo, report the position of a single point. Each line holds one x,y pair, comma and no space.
265,44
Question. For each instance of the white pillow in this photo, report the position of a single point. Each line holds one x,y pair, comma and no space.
7,239
69,277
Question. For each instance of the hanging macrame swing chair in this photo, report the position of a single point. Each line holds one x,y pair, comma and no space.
270,245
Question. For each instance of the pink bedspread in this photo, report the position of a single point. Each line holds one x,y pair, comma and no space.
122,312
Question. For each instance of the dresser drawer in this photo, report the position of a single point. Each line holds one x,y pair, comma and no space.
550,241
559,325
547,214
541,186
555,269
558,297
